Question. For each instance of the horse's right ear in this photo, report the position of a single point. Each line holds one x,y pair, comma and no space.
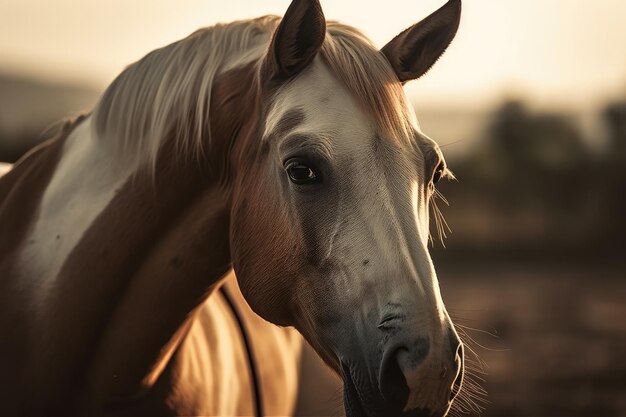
297,40
414,51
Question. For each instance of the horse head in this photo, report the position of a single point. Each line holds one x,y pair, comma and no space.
331,186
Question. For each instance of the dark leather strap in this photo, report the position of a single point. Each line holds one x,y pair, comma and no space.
247,341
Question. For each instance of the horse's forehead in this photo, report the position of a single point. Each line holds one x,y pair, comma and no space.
317,85
317,104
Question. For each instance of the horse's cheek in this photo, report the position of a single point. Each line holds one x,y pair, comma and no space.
259,252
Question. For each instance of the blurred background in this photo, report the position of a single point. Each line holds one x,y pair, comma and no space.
528,105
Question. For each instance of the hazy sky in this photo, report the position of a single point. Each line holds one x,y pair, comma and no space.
555,50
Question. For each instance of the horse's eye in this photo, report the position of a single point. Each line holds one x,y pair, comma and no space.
438,173
300,174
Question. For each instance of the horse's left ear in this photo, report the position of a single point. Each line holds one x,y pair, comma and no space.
413,52
297,40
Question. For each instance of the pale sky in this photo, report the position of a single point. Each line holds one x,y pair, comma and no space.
564,51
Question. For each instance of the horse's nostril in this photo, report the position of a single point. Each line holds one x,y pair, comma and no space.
456,347
392,383
455,343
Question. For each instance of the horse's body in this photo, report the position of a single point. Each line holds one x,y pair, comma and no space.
205,370
219,151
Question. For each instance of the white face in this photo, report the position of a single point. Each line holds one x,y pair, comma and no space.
360,202
377,187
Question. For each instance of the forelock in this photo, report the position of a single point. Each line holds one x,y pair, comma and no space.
367,74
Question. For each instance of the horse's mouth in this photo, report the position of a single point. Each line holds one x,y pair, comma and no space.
356,406
351,399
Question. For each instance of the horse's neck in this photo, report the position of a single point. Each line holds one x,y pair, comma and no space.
177,252
110,266
102,264
83,185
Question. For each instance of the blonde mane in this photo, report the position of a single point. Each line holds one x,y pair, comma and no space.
147,101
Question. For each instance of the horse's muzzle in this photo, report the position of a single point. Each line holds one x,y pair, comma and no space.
408,379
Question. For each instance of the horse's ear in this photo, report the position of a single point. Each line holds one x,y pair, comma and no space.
297,40
413,52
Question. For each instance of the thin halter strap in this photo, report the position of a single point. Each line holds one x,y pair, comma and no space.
254,371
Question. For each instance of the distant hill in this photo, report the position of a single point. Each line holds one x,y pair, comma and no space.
29,106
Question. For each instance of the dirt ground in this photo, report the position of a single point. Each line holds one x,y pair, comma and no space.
555,344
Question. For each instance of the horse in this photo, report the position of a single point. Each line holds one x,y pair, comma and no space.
252,180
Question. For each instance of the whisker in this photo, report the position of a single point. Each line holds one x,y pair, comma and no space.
477,330
440,196
454,142
472,396
442,228
469,341
453,312
484,347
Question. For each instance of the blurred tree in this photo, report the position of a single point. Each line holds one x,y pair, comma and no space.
535,185
532,175
537,159
615,117
613,178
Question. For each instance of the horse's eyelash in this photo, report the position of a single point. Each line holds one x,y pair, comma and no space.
448,174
